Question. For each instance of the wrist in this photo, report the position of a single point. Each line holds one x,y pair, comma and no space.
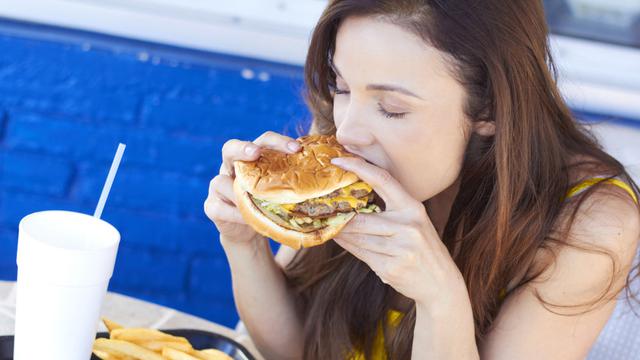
449,328
255,247
454,299
446,309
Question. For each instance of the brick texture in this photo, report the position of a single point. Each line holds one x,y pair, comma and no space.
66,103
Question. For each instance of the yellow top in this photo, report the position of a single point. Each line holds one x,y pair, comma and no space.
394,316
379,352
587,183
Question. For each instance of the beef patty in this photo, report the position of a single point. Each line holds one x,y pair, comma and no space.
319,210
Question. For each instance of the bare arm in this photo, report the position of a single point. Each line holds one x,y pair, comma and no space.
525,329
265,303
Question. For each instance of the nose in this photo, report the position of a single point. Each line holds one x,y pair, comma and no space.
351,129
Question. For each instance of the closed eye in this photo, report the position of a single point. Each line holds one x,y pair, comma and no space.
390,115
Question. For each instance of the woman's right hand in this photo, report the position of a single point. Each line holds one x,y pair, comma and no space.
220,205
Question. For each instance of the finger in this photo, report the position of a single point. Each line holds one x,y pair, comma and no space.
217,210
246,150
385,185
235,149
372,259
275,141
221,186
378,244
373,224
224,171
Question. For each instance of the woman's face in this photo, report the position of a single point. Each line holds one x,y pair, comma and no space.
397,105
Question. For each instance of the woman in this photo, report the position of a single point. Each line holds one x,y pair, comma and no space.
507,231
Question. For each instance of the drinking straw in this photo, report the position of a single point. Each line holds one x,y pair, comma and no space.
109,181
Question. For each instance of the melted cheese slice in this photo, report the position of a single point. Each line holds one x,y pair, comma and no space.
344,196
360,185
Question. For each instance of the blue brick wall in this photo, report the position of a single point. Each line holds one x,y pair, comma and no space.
68,99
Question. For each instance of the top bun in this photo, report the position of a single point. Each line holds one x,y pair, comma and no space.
285,178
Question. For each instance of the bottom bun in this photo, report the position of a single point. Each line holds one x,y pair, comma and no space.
292,238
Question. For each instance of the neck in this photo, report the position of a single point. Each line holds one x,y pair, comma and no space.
439,206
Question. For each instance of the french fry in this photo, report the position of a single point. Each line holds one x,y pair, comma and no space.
148,344
122,348
143,334
103,355
173,354
158,345
111,325
211,354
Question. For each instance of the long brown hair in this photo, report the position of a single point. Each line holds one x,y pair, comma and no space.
512,184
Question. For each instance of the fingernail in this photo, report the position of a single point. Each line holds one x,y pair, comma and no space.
293,146
337,161
250,149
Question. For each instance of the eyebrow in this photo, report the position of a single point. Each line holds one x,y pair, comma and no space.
380,87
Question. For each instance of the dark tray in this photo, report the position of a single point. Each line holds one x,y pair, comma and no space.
198,338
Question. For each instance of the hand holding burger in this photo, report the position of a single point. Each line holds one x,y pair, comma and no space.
300,199
220,205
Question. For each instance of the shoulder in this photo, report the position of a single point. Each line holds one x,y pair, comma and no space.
581,274
591,249
604,209
607,201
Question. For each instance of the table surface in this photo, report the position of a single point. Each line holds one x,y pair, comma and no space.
138,313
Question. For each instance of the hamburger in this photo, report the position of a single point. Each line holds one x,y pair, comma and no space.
301,199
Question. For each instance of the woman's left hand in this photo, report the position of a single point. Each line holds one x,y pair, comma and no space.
400,244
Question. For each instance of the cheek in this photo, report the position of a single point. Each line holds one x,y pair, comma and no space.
427,159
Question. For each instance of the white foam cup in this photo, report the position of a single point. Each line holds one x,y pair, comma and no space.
65,261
